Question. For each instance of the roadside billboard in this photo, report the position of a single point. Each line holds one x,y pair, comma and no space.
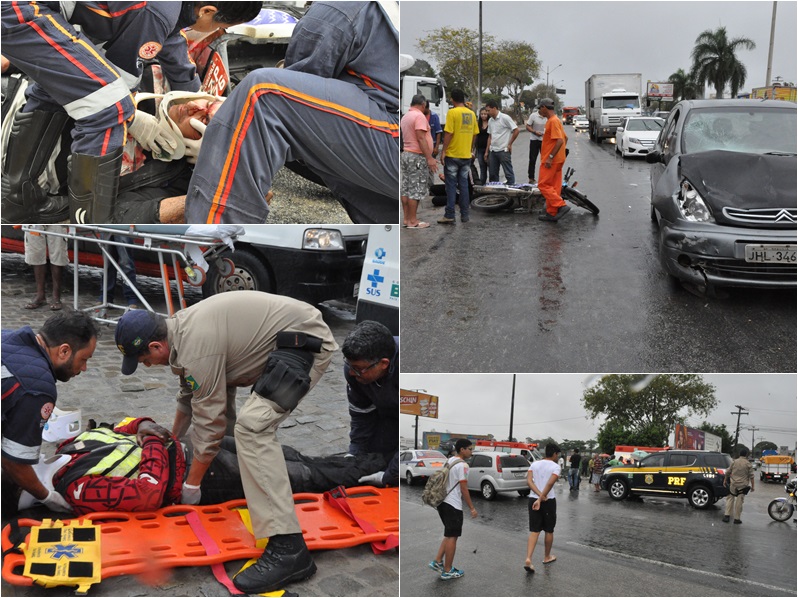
659,90
776,92
692,439
433,440
412,402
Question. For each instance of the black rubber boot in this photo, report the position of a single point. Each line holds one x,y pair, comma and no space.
33,138
285,560
93,186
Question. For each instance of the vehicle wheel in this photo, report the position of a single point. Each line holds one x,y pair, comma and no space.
409,478
492,203
591,132
226,266
700,497
618,489
488,491
523,492
618,148
249,274
580,199
196,276
780,509
653,214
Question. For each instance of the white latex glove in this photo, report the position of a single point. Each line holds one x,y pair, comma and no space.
191,494
193,145
56,502
375,479
148,132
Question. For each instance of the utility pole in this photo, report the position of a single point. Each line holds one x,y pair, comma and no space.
479,68
770,48
753,429
738,413
512,410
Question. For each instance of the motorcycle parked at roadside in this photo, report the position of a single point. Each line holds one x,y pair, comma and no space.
781,509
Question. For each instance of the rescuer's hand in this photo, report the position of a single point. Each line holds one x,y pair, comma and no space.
56,502
375,479
148,132
193,145
191,494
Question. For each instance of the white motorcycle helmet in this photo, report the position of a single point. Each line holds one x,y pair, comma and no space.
62,425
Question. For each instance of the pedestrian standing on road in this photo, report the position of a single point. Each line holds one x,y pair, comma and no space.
451,510
536,125
482,145
739,479
37,248
552,150
458,149
561,463
598,469
502,132
573,472
416,161
123,256
435,130
371,370
31,364
541,477
230,340
584,467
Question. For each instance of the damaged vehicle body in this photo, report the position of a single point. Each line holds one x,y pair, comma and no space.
723,192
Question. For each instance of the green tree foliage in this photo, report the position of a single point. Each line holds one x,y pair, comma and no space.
737,448
685,86
725,436
421,68
641,409
715,60
765,445
506,65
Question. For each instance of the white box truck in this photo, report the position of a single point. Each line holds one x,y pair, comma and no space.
431,88
610,98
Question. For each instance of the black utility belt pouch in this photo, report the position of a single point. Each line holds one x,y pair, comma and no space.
742,491
298,340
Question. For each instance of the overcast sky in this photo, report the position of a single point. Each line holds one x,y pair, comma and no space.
651,38
550,405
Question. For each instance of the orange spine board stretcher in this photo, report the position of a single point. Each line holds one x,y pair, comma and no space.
135,543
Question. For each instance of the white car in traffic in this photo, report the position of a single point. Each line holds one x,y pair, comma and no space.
418,464
637,134
581,123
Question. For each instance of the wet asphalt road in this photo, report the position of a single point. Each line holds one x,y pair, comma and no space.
506,292
651,547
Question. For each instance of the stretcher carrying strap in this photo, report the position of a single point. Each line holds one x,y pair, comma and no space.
337,499
211,548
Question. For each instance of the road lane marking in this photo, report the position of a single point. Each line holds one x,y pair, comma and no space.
681,568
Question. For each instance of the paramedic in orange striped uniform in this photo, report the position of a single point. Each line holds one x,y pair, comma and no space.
335,107
552,150
74,79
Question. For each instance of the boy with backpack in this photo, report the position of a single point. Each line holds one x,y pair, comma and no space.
451,509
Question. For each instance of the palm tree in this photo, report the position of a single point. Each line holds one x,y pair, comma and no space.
684,85
715,62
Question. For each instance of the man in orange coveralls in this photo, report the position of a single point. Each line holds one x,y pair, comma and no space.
553,150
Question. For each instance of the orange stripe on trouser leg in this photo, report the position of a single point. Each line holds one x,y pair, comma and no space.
550,184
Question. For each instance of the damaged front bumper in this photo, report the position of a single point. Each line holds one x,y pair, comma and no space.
706,254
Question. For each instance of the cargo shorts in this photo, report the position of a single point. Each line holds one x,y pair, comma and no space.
415,176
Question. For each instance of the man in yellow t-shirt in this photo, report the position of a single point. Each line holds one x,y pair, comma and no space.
552,151
459,136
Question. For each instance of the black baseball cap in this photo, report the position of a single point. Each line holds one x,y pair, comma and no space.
134,332
546,103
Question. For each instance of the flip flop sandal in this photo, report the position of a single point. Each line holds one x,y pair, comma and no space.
529,569
56,306
549,562
419,225
35,304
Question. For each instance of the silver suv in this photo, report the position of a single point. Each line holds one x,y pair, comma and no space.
490,472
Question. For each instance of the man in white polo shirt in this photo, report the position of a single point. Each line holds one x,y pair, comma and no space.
502,132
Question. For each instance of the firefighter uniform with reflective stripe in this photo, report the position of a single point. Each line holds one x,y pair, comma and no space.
29,395
224,342
93,86
109,471
374,416
334,106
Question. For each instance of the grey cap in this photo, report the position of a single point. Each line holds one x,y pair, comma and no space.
546,103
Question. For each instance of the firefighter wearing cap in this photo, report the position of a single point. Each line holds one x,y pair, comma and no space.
278,346
73,79
552,151
335,106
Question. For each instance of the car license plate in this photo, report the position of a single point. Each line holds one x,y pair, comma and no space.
436,464
770,254
357,289
519,474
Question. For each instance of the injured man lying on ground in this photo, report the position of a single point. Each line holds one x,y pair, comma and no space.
137,465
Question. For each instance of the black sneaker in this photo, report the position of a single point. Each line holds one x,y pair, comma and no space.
285,560
561,211
725,519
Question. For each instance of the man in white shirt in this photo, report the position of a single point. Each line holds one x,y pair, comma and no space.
451,510
541,477
536,125
502,132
